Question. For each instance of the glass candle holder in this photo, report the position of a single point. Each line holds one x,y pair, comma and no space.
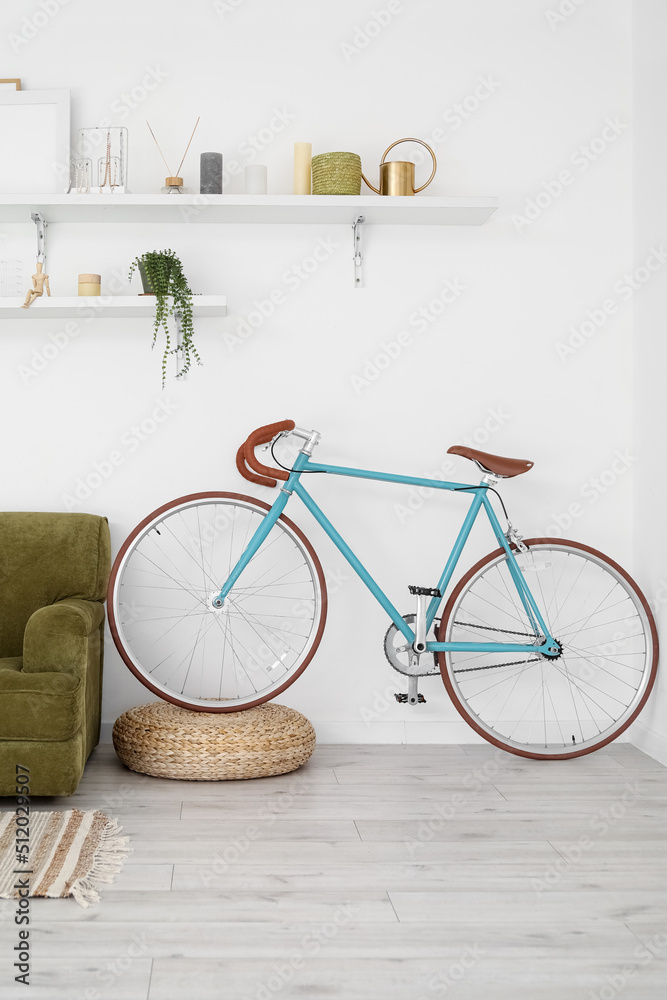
254,179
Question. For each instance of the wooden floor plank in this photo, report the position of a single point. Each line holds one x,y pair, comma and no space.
483,975
235,939
231,850
120,976
196,904
530,908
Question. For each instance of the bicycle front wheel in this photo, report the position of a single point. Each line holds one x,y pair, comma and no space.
532,705
163,621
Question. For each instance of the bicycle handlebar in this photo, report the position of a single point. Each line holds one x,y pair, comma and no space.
264,475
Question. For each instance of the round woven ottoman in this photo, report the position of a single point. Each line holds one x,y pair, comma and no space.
170,742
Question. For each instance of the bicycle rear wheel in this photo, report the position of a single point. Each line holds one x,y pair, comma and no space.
163,621
532,705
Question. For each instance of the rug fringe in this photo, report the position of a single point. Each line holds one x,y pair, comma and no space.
109,857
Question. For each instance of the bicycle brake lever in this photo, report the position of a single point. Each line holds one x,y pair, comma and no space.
270,444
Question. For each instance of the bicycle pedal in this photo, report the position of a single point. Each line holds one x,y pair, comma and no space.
426,591
402,698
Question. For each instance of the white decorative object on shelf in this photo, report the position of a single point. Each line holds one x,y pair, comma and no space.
11,276
255,178
34,125
101,164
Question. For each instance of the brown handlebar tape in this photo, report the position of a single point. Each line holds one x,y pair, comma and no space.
245,472
261,436
266,476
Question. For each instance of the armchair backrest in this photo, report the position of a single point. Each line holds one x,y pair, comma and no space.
45,558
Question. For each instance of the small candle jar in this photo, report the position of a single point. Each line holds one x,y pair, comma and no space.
254,177
90,284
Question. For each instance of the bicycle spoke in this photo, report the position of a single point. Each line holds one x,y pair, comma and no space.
181,584
570,629
603,670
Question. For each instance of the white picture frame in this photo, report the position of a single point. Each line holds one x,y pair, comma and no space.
34,141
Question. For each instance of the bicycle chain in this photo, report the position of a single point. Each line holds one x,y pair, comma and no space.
495,666
490,628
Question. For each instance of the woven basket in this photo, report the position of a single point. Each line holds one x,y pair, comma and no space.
336,173
170,742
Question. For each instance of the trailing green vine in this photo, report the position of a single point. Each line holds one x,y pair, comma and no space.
166,280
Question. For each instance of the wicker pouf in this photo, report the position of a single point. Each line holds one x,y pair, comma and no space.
170,742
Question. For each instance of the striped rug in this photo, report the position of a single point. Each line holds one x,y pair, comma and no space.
71,853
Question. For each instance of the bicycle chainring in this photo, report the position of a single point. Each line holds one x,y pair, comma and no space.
398,651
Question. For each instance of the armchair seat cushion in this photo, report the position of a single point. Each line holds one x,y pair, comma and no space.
44,706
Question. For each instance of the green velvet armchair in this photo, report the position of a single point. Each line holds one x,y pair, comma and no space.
54,570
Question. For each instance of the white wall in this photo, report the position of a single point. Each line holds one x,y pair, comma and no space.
546,90
650,164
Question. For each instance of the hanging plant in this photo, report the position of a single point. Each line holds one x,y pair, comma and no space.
162,275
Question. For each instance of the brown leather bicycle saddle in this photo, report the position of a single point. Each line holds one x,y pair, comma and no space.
506,468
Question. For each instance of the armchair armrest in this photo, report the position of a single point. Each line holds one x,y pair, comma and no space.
56,636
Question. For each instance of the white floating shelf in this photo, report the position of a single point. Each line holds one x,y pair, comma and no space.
237,208
105,306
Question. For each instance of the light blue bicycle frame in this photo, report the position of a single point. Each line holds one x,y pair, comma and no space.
479,499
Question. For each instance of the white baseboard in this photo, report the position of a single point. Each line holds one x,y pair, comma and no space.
652,743
395,732
444,733
377,732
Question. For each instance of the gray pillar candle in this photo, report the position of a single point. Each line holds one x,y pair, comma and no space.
210,173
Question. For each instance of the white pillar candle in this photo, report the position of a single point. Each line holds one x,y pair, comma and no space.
303,152
254,178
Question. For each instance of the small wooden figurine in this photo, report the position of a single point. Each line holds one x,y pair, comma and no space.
39,282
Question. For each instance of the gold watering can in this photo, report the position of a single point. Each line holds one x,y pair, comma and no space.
398,176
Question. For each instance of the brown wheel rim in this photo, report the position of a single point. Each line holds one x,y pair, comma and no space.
470,718
113,628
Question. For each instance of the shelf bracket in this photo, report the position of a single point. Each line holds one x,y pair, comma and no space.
41,224
357,232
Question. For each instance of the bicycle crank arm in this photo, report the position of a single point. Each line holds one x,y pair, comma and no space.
413,697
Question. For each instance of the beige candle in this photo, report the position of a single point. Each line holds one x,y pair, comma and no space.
90,284
303,152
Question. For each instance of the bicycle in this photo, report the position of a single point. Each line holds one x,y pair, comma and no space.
217,602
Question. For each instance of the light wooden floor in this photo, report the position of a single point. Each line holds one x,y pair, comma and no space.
373,873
